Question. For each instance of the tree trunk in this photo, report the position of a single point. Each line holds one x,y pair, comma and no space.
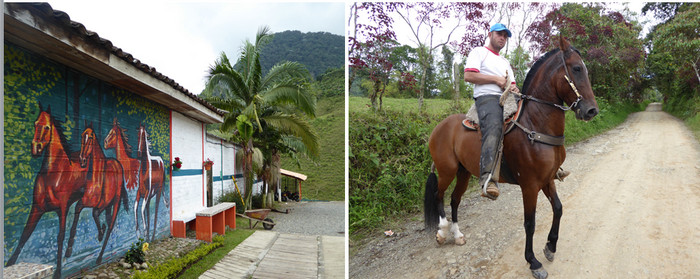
248,172
457,81
374,94
422,87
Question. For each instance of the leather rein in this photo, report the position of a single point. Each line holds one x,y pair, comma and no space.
534,136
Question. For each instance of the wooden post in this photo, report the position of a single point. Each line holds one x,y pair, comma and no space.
210,201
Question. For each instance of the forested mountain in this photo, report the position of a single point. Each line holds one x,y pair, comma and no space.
318,51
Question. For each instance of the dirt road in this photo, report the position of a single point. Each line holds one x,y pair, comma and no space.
631,210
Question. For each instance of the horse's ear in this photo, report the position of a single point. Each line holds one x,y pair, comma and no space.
48,109
563,43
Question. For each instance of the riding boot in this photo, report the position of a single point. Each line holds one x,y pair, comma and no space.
561,174
491,125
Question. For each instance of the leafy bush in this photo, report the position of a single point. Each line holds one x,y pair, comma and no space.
233,196
173,267
136,252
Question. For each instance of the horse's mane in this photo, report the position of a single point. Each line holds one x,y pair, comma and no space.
58,125
125,138
538,64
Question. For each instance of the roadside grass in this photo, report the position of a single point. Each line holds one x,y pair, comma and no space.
389,160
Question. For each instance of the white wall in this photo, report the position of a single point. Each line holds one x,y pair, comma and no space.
187,184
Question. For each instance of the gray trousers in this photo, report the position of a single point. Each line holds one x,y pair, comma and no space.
491,123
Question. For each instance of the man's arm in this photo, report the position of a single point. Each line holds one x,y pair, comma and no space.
479,78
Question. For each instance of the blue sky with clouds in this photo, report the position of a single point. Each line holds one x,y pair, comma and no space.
181,39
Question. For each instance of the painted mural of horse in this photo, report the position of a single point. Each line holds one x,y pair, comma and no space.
105,187
152,180
60,183
118,140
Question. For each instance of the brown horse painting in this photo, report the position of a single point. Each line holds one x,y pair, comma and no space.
532,151
105,186
117,139
59,183
152,179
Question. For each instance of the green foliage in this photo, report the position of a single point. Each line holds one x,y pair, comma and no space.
26,80
326,176
173,267
135,254
610,47
233,196
390,161
230,241
318,51
330,84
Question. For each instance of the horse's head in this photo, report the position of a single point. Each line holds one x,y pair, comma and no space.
87,145
43,130
142,140
111,139
573,86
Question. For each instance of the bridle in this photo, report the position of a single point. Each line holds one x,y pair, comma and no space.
571,84
534,136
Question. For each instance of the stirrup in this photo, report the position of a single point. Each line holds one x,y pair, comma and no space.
489,189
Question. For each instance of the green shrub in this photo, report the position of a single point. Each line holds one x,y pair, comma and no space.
173,267
136,254
233,196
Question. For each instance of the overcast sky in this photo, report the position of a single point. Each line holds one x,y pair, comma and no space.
182,39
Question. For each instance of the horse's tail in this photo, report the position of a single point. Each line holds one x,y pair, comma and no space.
430,204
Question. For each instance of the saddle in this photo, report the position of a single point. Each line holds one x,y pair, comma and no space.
511,111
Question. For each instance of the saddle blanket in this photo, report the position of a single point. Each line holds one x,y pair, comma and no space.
510,107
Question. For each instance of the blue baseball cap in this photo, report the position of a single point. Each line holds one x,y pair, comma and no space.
500,27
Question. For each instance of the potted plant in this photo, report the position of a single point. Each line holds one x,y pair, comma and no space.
177,164
207,164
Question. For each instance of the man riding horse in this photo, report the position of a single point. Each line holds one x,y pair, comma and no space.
490,73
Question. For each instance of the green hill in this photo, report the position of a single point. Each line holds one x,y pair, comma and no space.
326,178
318,51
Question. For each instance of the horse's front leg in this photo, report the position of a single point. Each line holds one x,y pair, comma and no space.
530,206
551,247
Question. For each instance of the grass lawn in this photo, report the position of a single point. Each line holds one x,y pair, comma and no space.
231,240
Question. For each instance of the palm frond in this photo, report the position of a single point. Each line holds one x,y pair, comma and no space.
222,76
292,94
285,71
295,126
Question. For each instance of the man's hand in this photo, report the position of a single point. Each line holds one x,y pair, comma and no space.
514,88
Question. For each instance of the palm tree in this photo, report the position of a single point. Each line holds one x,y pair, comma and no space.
274,107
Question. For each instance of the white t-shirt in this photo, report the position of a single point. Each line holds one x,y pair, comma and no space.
486,61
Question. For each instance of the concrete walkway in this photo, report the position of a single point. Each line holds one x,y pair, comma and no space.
267,254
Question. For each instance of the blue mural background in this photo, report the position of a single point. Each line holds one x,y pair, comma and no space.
33,83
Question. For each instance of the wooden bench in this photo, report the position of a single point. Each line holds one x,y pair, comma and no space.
207,221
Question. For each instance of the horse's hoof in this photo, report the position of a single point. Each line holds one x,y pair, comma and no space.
539,273
548,254
440,239
460,241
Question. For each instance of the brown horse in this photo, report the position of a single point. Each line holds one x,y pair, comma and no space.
58,185
556,78
117,139
152,178
105,186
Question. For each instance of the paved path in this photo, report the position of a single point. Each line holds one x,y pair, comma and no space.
268,254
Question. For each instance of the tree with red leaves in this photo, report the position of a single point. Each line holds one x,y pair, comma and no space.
608,43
